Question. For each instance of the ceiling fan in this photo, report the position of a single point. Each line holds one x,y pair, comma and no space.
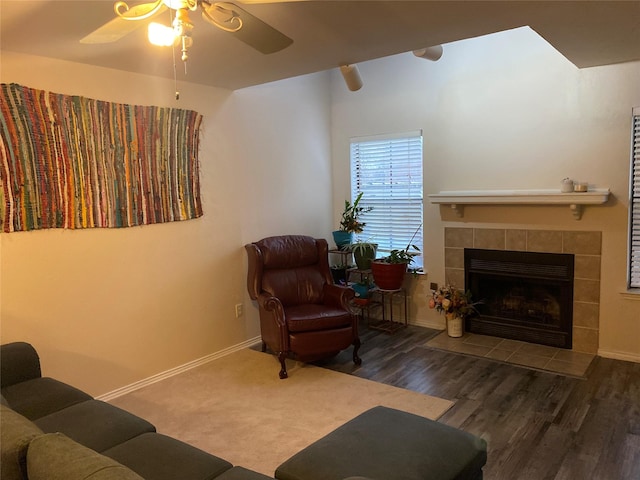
224,15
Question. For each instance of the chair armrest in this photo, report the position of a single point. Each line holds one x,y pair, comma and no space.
272,306
273,327
19,362
338,295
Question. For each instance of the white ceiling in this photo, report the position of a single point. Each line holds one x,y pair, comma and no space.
325,33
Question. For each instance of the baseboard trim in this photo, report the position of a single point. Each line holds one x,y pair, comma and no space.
177,370
626,356
427,324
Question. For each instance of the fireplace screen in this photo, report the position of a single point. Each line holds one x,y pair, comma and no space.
524,295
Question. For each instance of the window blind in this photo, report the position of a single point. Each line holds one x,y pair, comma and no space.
634,205
388,170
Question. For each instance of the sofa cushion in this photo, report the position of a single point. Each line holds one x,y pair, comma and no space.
158,457
95,424
41,396
311,318
16,432
54,456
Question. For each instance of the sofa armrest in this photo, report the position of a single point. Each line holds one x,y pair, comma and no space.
15,434
19,362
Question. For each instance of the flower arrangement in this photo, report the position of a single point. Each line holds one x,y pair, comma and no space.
450,300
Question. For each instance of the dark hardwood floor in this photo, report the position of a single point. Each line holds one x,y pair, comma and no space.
538,425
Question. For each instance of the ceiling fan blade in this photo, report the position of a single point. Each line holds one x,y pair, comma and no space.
254,32
248,2
117,28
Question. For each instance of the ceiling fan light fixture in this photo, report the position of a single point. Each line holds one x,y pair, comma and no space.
430,53
178,4
161,35
351,76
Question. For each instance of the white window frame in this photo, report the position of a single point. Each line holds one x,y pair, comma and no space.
633,280
393,222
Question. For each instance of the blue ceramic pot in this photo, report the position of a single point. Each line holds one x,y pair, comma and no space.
342,239
362,291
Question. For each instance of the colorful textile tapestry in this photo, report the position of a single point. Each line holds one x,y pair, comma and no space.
74,162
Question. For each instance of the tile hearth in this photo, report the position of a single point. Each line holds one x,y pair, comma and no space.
540,357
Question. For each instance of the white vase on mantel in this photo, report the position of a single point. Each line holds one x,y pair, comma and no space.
454,325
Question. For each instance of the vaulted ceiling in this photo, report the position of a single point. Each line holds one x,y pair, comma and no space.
325,34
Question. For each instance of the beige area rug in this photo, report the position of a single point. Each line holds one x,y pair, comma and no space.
237,408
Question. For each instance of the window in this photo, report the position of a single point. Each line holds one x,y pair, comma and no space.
634,204
388,170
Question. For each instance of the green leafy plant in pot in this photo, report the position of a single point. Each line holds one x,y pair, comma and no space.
363,253
339,274
388,272
350,222
361,289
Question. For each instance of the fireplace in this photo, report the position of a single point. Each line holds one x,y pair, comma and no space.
524,296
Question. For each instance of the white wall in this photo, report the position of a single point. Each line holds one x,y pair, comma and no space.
506,111
108,307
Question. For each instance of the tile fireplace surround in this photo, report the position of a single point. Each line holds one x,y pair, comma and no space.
586,246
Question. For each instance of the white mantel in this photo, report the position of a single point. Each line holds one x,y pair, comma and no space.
575,200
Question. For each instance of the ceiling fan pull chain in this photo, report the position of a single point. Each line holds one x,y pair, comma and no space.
173,55
185,56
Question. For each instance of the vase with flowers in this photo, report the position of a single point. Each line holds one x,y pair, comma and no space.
455,304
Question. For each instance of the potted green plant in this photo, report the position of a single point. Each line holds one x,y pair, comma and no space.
363,253
350,222
361,289
339,273
388,272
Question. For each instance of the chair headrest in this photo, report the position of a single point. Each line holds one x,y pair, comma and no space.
288,251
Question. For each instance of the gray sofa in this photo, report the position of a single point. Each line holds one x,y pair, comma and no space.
51,430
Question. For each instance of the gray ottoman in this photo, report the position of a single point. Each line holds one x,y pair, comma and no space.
387,444
241,473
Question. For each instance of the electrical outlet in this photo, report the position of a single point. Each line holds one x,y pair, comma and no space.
433,286
239,311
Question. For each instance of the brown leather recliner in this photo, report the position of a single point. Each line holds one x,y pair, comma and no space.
302,312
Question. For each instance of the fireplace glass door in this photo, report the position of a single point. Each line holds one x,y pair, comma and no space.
524,296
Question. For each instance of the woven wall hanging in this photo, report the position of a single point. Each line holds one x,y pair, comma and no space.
75,162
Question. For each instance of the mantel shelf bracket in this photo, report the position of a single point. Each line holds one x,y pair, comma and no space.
576,210
575,200
459,209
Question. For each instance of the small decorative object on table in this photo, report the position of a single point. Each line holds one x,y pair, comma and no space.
581,187
456,305
566,185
